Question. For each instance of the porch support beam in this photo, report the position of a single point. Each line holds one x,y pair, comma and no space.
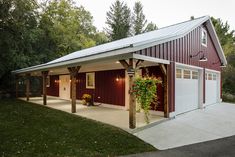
44,86
73,74
27,86
132,100
165,85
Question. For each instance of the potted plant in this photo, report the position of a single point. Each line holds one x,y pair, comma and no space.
87,99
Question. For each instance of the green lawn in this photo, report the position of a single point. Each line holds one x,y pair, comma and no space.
31,130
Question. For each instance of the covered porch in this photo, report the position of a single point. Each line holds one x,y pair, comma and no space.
112,116
106,86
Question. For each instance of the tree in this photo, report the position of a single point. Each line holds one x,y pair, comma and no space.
150,27
118,21
138,19
67,28
18,28
32,33
227,41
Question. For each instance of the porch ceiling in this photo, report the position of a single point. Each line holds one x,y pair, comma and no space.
111,64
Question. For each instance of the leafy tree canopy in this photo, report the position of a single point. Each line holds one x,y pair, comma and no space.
227,40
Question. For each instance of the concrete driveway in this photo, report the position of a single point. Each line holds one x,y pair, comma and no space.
214,122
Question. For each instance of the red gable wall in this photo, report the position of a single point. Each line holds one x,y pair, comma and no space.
179,50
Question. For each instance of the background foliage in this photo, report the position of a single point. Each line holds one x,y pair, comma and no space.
227,40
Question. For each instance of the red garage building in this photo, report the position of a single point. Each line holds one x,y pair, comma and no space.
187,56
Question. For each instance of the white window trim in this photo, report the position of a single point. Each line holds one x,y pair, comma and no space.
90,87
202,31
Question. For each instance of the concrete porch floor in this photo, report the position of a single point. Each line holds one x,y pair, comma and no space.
115,117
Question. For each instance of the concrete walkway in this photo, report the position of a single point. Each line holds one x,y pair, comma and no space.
216,148
115,117
214,122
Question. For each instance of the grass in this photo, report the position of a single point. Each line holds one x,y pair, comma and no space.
28,130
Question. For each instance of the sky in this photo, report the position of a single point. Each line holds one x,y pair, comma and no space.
166,12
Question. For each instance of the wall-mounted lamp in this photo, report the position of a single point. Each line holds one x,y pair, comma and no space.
57,81
117,78
130,71
202,59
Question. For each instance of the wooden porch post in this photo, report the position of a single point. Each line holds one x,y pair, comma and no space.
27,86
165,85
44,86
132,100
17,85
73,73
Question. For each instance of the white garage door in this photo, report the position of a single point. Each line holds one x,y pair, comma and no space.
211,88
186,90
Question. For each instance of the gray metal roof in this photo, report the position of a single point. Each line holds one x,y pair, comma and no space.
157,35
134,43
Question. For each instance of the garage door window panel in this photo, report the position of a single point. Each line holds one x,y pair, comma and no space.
214,76
187,74
194,75
178,73
209,76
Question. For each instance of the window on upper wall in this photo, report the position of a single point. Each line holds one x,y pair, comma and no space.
90,80
204,37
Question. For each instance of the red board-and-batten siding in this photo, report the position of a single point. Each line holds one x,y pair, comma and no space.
179,50
53,89
107,89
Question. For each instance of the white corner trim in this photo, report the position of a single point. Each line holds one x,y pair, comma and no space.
150,59
187,66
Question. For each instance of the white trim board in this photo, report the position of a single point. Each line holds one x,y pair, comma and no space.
188,66
214,71
150,59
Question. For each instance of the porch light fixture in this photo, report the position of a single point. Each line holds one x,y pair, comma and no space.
202,59
130,71
117,79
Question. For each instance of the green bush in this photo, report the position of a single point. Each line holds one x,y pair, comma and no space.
227,97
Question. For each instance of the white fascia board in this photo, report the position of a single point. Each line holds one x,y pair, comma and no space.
150,59
119,54
187,66
215,39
